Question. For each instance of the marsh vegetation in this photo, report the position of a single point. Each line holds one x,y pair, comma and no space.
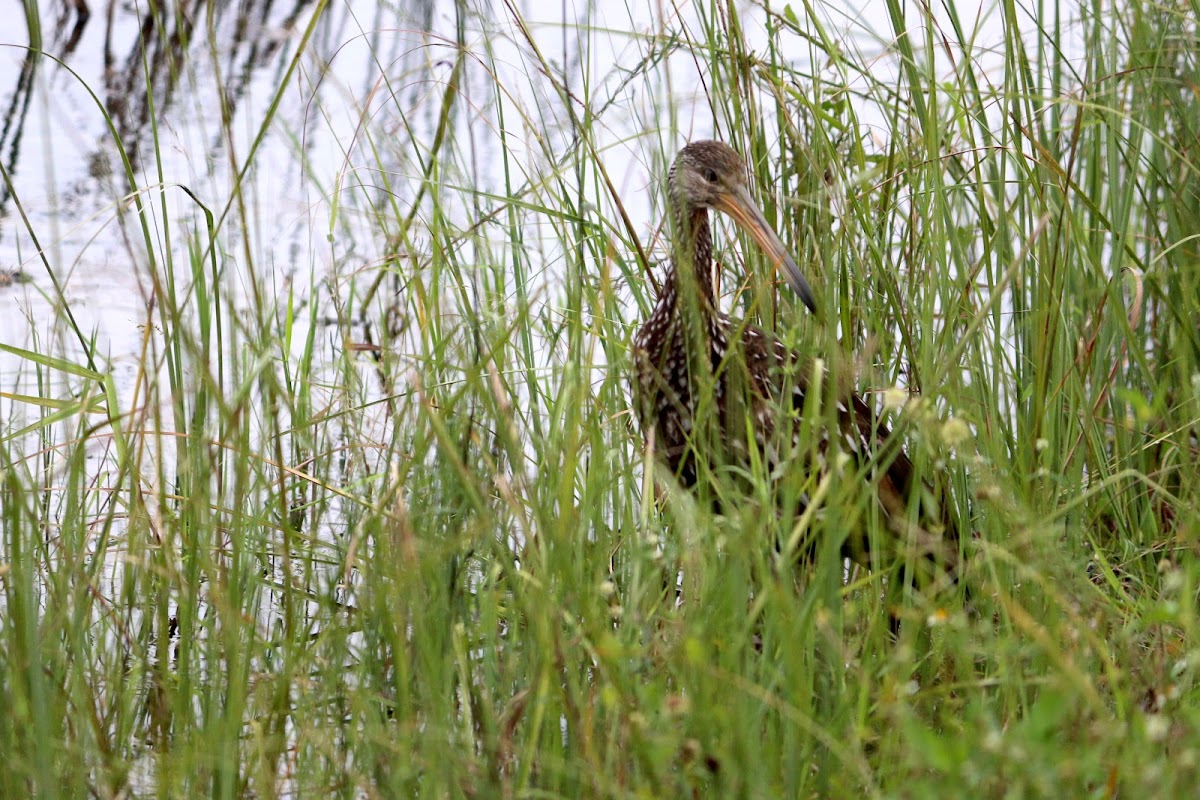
318,468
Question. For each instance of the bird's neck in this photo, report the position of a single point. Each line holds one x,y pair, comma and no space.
692,273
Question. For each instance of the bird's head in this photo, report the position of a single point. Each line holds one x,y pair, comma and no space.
710,174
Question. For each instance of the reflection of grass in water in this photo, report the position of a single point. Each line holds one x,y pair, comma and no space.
463,475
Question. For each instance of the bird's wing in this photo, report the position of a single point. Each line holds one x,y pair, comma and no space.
863,435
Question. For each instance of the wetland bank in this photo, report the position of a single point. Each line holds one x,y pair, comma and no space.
318,469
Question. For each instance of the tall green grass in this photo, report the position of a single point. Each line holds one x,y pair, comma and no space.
419,551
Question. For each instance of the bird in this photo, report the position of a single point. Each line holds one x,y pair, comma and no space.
701,378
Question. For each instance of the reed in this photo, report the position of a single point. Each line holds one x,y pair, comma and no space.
390,530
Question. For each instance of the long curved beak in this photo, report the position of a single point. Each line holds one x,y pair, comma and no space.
741,206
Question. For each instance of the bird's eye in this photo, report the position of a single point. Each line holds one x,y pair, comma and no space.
710,175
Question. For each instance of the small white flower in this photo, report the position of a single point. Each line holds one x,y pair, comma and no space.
1173,581
955,432
1157,727
894,398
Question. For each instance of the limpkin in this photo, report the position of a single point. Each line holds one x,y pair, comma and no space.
689,351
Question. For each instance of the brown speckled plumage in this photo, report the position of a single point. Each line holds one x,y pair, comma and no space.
685,344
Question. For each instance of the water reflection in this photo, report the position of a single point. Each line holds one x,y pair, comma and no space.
147,57
247,35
